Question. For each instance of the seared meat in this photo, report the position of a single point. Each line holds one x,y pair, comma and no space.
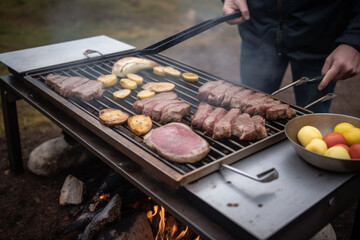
280,111
229,93
260,129
216,95
205,89
222,128
244,127
201,114
157,111
174,112
177,142
149,107
238,97
139,105
214,116
88,91
79,87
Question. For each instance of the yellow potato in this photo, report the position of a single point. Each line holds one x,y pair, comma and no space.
148,86
191,77
140,124
159,70
112,117
127,83
108,80
172,71
122,93
162,87
138,79
145,94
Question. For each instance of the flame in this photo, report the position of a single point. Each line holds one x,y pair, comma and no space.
150,214
104,196
166,232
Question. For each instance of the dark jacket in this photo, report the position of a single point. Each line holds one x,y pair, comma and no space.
303,29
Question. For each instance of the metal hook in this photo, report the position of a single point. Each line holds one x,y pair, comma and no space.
89,51
266,176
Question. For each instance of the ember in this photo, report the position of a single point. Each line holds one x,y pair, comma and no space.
104,196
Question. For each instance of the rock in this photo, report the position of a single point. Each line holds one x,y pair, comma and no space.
327,233
71,191
55,155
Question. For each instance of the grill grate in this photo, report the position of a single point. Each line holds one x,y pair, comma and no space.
186,91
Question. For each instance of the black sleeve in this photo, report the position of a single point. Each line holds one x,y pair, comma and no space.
351,35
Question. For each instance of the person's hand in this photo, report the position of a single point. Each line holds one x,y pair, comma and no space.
342,63
231,6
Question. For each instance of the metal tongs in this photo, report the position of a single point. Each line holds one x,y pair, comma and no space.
300,82
266,176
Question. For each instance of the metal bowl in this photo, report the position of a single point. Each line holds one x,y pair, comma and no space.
325,122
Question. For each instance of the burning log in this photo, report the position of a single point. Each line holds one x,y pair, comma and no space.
110,213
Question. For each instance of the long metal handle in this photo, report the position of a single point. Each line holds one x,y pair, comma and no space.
299,82
322,99
188,33
266,176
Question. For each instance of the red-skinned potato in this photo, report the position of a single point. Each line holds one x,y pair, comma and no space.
355,151
334,138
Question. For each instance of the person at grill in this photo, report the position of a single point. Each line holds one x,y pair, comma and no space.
316,37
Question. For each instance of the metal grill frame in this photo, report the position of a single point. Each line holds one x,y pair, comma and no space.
120,137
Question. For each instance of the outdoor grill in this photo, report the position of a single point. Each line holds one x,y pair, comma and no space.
198,194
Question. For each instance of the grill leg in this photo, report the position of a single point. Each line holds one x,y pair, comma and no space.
8,101
356,227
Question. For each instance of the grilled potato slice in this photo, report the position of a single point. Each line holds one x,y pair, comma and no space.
140,124
127,83
122,93
148,86
108,80
191,77
159,70
172,71
162,87
112,116
145,94
136,78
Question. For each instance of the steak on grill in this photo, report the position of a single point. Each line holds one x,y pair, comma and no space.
205,89
237,98
260,129
229,93
214,116
177,142
79,87
279,112
139,105
174,112
222,128
157,111
244,127
201,114
216,95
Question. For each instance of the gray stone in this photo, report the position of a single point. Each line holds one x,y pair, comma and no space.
55,155
71,191
327,233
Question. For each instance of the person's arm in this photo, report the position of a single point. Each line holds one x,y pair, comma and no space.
231,6
344,61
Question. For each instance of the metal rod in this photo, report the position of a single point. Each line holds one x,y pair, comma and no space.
322,99
266,176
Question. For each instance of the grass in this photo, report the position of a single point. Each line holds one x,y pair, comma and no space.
26,24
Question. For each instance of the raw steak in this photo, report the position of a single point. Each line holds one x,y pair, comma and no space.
201,114
177,142
222,128
88,91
